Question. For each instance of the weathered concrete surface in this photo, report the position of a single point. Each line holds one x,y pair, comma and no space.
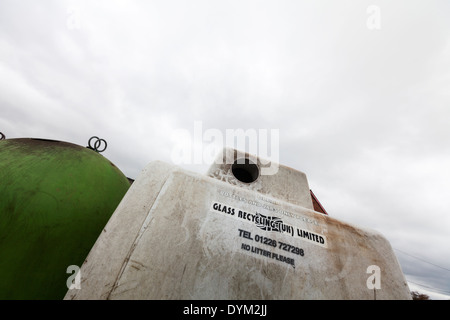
181,235
106,259
283,183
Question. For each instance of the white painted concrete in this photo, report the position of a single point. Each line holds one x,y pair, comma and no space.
182,235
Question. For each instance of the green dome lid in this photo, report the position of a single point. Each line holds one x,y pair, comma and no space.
55,199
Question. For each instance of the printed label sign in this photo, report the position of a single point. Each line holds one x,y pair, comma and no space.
269,223
270,244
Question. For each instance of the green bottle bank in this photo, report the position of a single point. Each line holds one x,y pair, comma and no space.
55,199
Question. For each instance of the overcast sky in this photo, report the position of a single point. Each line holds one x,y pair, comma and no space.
359,92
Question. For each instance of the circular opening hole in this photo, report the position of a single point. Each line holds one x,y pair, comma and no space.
244,170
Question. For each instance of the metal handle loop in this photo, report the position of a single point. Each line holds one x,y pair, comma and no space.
97,144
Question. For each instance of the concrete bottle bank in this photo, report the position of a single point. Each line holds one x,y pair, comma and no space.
234,233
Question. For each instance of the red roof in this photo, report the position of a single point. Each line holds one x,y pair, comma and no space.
316,203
